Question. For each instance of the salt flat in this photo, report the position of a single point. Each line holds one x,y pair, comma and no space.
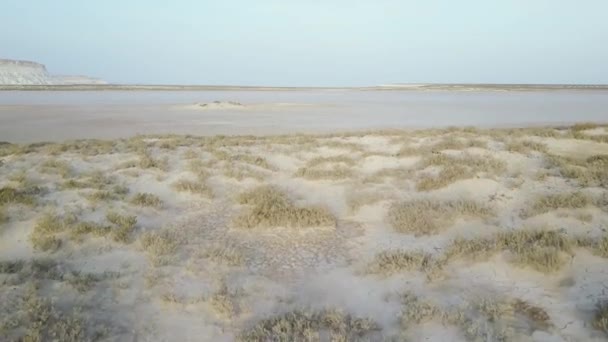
30,116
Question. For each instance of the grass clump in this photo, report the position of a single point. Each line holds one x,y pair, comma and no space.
592,171
194,187
455,168
390,262
146,161
25,195
3,215
94,180
60,167
117,192
337,172
331,160
253,160
270,207
39,319
43,237
124,225
223,302
600,316
584,126
336,167
525,146
547,203
225,252
147,200
159,243
305,326
423,217
480,319
542,250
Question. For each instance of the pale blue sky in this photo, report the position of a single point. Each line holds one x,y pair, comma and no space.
312,42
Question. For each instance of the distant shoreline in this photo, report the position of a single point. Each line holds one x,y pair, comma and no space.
390,87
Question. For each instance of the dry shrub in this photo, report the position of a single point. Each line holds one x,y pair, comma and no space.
483,319
24,195
3,215
344,159
147,200
390,262
43,236
525,146
592,171
37,318
194,187
582,126
337,172
454,143
225,252
146,161
240,173
224,302
600,316
271,207
305,326
124,225
542,250
94,180
116,192
335,167
416,310
380,175
537,316
60,167
448,175
253,160
547,203
456,168
159,243
422,217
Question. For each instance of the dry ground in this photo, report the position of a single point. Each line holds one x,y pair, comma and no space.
456,234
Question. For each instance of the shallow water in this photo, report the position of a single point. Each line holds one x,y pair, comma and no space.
58,115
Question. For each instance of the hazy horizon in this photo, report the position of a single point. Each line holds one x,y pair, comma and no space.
337,44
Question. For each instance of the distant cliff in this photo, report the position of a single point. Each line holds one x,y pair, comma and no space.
13,72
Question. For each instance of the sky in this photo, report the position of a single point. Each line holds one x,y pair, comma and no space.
312,42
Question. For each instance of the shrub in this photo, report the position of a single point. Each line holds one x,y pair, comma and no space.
147,200
124,226
270,207
304,326
389,262
422,217
547,203
600,316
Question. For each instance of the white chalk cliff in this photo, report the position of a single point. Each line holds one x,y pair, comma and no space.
13,72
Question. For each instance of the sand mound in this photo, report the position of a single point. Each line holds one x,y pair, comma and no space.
219,105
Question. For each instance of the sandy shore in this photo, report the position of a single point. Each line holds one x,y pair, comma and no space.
458,234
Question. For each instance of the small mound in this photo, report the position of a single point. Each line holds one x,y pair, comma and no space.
219,105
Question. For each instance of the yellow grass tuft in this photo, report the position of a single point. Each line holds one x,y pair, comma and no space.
270,207
547,203
422,217
147,200
305,326
194,187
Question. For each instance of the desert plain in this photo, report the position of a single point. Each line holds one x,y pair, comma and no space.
462,233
